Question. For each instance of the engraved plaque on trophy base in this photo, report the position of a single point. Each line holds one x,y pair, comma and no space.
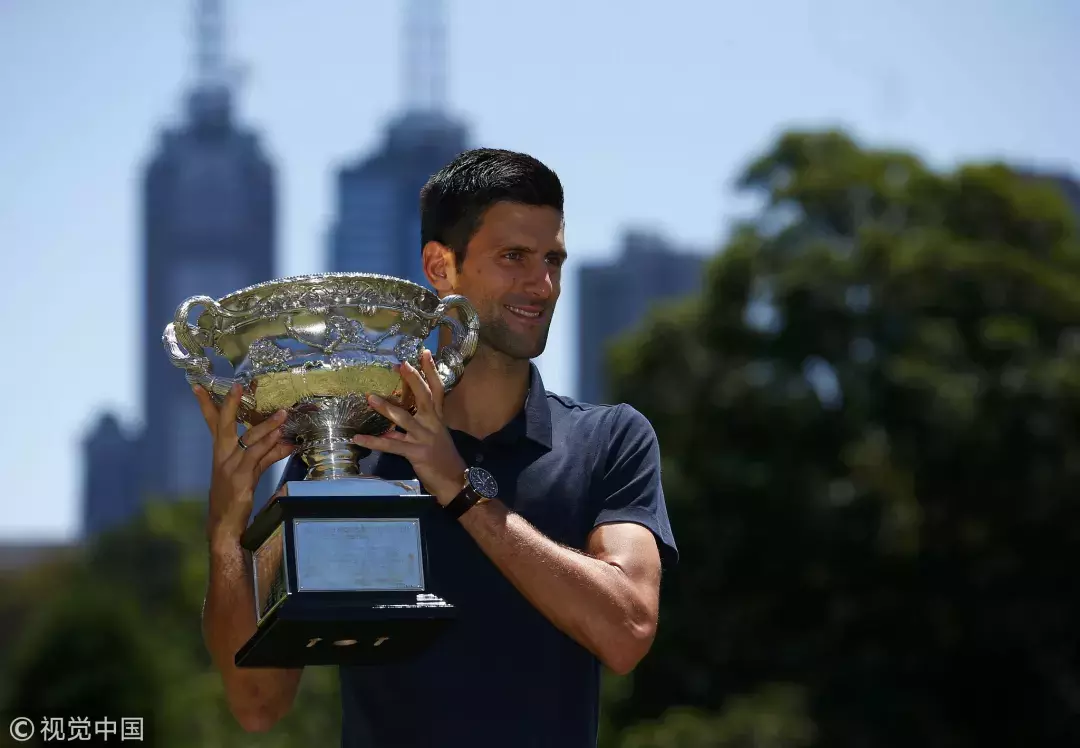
340,578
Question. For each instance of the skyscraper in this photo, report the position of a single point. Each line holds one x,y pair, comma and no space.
377,225
208,227
615,296
111,476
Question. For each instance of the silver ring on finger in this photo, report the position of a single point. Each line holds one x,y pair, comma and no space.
240,441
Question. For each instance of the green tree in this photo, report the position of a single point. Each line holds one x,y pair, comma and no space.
87,656
775,717
118,632
868,423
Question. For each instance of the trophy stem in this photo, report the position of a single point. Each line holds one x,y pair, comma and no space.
332,458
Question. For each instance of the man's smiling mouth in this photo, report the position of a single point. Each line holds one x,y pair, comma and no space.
527,313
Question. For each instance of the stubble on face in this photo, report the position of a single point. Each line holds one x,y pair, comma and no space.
512,272
495,333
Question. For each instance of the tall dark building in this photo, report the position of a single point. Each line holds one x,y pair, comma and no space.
615,296
110,475
377,224
208,228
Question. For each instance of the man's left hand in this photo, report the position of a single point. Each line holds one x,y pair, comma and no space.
426,442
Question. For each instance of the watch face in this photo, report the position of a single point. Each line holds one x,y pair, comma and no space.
483,482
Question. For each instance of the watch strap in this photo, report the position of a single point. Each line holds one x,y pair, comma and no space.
463,502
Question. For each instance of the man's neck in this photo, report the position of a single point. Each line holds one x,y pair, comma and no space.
490,393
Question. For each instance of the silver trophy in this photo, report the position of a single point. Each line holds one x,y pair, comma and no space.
339,559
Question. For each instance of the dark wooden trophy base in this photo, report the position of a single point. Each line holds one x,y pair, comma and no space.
339,579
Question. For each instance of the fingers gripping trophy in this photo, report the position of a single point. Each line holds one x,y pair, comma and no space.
339,558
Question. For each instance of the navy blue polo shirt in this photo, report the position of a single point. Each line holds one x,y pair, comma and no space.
503,675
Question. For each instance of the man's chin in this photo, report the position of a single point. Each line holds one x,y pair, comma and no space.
516,349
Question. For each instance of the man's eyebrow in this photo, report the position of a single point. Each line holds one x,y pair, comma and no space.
511,247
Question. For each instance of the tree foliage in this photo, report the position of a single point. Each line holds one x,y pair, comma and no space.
86,657
120,634
868,426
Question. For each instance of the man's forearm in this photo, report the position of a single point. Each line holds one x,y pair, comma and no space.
258,697
589,599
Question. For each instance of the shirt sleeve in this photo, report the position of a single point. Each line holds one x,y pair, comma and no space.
631,486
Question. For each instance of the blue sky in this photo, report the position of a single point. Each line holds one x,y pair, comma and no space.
646,109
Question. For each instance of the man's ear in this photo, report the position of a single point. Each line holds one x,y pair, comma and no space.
440,268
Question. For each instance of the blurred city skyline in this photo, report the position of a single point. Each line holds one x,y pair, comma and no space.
646,113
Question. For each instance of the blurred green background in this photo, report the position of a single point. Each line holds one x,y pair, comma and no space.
868,421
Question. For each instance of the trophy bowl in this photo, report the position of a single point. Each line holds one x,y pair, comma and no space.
316,346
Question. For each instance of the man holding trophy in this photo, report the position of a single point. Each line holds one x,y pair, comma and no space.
540,546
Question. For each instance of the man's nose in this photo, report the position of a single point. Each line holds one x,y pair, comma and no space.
540,284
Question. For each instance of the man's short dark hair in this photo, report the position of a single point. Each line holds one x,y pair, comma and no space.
454,200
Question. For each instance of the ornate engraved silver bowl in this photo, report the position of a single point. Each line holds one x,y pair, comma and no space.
317,346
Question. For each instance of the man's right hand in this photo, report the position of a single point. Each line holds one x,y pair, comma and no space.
237,470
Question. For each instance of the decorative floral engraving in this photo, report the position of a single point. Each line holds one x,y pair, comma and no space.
408,349
342,333
357,326
343,330
322,293
265,354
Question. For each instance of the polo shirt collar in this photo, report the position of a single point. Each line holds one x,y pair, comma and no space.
533,422
537,413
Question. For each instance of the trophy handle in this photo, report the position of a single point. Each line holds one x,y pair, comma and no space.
186,345
451,359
